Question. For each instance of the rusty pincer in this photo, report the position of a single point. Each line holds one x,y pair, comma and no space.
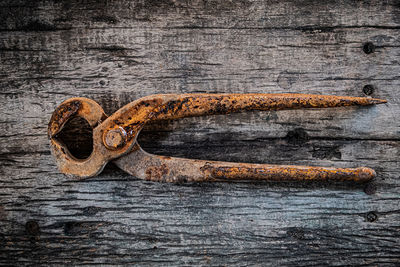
114,137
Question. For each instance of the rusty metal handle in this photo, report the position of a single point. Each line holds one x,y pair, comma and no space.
121,129
170,169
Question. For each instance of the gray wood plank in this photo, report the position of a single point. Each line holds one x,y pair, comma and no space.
117,51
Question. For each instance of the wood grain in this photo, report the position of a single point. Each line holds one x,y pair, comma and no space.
117,51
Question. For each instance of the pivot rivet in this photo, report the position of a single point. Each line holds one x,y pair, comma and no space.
114,138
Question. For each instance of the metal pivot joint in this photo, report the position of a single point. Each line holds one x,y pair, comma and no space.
114,137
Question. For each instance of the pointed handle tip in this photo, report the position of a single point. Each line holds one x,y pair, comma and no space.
376,101
365,174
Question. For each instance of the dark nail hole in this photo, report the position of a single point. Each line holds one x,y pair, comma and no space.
370,189
371,216
368,89
77,136
368,48
32,228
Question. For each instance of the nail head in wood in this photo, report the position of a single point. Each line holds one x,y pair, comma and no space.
368,89
368,48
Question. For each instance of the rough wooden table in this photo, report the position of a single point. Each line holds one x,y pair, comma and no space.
117,51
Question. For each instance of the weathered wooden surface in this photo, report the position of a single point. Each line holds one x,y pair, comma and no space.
117,51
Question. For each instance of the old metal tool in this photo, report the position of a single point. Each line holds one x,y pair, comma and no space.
114,137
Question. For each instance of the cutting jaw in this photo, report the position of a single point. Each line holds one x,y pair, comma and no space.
114,137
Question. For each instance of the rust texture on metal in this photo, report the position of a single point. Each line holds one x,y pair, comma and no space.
61,115
133,116
280,173
114,138
94,115
170,169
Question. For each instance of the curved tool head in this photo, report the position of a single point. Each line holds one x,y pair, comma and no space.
110,140
94,115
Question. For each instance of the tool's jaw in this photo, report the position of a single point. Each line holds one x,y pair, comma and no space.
73,167
110,139
67,163
75,107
